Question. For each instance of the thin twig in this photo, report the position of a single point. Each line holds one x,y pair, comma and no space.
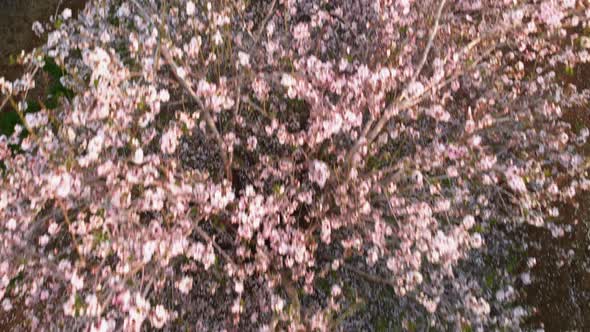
206,236
69,225
369,277
265,21
252,104
22,118
4,102
430,41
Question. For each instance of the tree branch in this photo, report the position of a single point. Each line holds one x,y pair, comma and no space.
222,252
403,103
367,127
185,85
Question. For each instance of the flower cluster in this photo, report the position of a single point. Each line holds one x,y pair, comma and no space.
214,147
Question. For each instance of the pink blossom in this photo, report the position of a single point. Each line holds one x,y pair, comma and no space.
336,291
159,316
319,173
239,287
301,32
185,285
11,224
190,8
93,308
438,113
66,14
77,281
138,156
217,38
550,13
244,59
103,326
476,240
416,89
515,182
149,248
6,305
468,222
169,140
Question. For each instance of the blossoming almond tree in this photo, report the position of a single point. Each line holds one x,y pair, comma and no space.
234,140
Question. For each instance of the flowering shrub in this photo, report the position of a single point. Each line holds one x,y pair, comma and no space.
234,140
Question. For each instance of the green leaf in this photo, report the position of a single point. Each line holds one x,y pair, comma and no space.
276,188
78,304
490,280
52,68
467,328
8,119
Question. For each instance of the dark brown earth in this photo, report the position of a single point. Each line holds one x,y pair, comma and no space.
16,20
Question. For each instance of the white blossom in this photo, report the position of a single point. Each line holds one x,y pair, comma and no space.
319,173
66,14
190,8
